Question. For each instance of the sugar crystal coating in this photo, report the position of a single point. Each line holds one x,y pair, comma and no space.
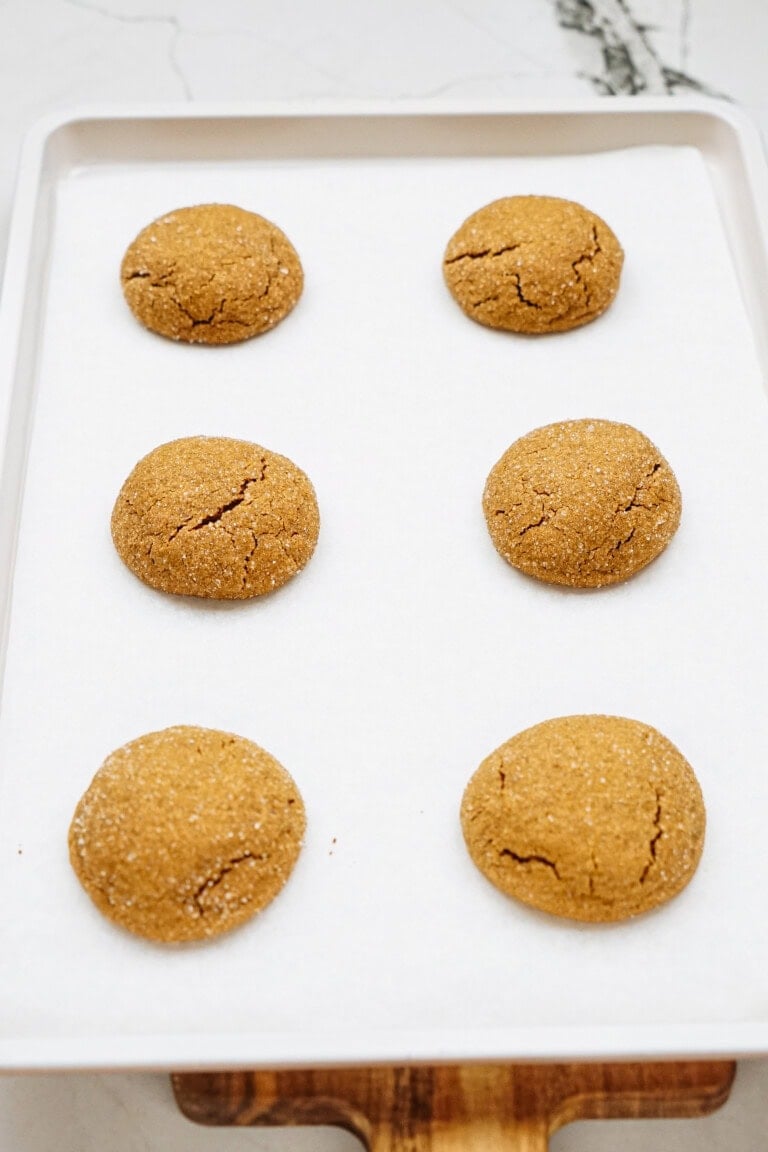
211,274
594,818
533,264
215,517
186,833
582,503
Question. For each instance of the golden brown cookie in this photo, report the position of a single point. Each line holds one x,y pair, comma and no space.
533,264
211,274
582,503
588,817
186,833
213,517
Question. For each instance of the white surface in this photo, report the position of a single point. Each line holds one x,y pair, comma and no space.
407,650
55,55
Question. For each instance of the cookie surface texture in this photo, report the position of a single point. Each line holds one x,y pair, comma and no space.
186,833
582,503
594,818
213,517
533,264
211,274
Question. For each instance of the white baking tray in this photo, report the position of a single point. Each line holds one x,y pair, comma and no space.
407,650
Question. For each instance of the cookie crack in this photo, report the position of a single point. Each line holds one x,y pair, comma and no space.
262,297
532,859
521,296
468,256
597,897
146,509
206,321
505,511
658,833
587,258
492,252
165,283
155,281
635,502
273,279
217,311
536,524
284,545
620,544
270,275
547,514
178,528
213,881
612,545
248,559
215,517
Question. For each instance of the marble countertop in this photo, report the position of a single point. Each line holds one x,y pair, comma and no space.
60,54
56,55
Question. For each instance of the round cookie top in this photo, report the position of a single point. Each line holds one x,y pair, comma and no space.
533,264
582,503
186,833
593,818
218,518
211,274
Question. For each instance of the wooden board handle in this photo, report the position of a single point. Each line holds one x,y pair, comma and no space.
474,1108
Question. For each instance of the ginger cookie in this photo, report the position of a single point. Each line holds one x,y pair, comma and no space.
211,274
213,517
186,833
588,817
583,503
533,264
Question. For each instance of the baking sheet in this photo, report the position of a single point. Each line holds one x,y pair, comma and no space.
407,650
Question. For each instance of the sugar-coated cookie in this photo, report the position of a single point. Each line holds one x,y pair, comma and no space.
582,503
215,517
587,817
211,274
186,833
533,264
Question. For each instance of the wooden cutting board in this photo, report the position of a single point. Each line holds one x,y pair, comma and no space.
475,1108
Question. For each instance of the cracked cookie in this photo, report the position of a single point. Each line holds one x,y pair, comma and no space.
211,274
213,517
592,818
186,833
582,503
533,264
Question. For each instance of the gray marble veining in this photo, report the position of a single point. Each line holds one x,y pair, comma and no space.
630,65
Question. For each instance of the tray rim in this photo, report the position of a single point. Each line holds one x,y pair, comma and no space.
190,1051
